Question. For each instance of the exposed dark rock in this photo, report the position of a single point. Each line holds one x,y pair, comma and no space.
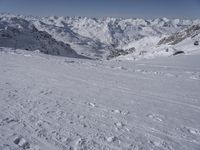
180,36
178,52
196,43
142,52
119,52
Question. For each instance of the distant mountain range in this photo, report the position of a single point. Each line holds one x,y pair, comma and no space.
99,38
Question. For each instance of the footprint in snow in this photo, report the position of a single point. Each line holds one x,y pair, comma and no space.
112,139
192,131
116,111
121,68
90,104
119,125
195,77
27,55
160,144
170,75
21,142
81,116
155,117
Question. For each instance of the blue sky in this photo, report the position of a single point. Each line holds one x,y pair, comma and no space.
103,8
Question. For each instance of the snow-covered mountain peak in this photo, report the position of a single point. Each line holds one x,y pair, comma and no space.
97,37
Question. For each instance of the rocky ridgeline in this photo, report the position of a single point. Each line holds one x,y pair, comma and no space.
191,31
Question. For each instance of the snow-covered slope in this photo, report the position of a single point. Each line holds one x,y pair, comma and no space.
60,103
18,33
57,103
182,42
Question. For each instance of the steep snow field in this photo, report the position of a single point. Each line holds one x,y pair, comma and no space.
54,103
19,33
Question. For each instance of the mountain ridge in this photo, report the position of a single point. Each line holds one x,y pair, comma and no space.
99,37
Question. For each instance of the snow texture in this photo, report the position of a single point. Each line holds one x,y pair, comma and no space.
54,103
145,98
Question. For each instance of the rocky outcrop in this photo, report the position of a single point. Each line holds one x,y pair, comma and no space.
180,36
119,52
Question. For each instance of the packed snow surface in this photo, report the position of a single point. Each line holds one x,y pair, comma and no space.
57,103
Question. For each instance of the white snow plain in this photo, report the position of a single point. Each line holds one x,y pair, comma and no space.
57,103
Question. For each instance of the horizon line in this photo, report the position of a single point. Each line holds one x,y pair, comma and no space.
100,17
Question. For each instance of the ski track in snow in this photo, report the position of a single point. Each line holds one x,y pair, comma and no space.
55,103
